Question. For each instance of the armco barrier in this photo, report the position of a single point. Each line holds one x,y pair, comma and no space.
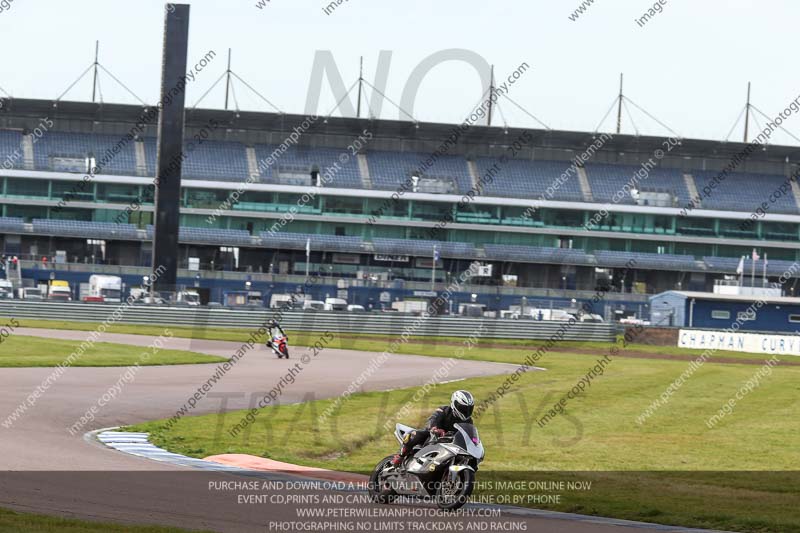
342,322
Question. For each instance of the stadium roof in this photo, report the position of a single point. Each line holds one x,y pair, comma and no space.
247,126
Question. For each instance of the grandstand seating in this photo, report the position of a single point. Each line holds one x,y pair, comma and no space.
390,169
227,161
537,254
214,236
745,192
80,145
423,248
222,237
607,180
728,265
12,224
531,179
777,267
600,258
11,149
348,176
211,160
326,243
85,229
613,259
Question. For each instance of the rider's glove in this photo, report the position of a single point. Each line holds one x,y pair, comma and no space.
438,432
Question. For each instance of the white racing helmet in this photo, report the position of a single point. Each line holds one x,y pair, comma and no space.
462,403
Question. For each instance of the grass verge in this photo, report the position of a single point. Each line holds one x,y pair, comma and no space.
14,522
671,469
23,351
486,349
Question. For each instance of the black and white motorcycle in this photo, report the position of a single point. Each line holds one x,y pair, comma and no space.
443,469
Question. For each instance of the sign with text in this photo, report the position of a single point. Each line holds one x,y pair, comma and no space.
392,258
739,342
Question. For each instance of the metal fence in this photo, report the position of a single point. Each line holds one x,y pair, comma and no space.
388,324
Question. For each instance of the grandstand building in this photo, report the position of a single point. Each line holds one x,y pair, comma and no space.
548,210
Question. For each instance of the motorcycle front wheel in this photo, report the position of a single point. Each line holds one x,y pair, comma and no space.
453,495
379,491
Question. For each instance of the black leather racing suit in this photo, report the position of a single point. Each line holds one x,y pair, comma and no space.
443,418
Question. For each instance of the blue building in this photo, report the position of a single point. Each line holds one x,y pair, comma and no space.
712,311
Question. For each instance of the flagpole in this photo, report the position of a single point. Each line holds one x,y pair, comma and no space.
740,271
308,256
433,270
741,274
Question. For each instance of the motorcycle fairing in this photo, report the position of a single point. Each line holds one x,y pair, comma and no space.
429,459
400,431
469,440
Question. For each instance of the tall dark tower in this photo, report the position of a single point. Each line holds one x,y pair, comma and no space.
170,146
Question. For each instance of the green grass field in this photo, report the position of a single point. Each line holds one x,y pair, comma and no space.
666,470
22,351
13,522
432,346
742,475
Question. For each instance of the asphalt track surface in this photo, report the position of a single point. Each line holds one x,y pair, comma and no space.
47,470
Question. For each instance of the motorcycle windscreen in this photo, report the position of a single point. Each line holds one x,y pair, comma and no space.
466,437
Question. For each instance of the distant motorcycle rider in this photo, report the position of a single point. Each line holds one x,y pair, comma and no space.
275,334
442,421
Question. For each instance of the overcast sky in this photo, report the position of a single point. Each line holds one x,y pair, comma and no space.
688,66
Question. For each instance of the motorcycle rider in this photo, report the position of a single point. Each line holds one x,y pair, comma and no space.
275,334
442,421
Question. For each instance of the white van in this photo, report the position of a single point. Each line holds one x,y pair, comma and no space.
30,293
290,301
314,305
6,290
335,304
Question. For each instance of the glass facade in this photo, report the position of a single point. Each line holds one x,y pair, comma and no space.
233,215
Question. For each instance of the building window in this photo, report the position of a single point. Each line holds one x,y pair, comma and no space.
794,318
721,315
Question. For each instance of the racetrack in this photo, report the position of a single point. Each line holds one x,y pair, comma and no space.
121,489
